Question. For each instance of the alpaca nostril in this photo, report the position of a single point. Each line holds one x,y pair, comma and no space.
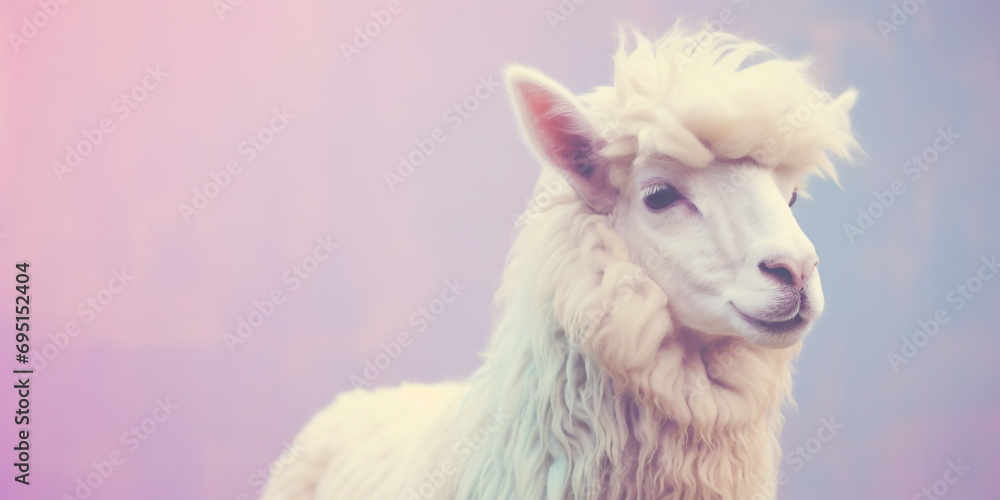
783,272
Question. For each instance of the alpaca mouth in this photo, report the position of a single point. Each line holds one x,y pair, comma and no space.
783,327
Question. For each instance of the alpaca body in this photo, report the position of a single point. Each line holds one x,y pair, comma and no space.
656,294
356,446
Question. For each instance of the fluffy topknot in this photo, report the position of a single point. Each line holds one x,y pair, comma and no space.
702,95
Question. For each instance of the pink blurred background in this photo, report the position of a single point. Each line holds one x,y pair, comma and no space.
202,79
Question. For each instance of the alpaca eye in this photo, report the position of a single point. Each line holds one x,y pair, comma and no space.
795,196
660,196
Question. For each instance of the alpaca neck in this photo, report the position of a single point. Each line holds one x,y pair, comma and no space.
568,422
607,396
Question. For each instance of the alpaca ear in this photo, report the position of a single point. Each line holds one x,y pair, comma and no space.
556,126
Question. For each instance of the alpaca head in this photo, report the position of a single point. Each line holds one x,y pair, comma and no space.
696,154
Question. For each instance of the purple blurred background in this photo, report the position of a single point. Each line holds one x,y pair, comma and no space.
181,88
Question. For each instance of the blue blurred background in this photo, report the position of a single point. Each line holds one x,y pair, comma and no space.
305,240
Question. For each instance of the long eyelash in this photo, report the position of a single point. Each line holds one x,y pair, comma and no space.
653,189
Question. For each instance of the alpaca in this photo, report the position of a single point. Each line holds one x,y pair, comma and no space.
657,292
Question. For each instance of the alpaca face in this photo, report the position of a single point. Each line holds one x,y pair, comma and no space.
723,244
719,238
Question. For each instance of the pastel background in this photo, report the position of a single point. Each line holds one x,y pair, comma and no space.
191,279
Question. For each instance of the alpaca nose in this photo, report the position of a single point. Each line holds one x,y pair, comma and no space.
789,272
